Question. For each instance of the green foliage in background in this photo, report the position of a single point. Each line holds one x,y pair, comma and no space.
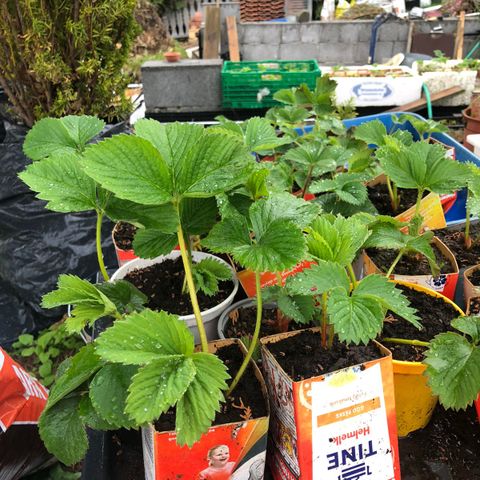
65,57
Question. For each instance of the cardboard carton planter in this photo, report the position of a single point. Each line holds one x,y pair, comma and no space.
241,446
210,316
470,288
445,283
338,425
414,400
472,305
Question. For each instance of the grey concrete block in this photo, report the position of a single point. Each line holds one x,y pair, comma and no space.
400,46
291,33
383,51
329,32
188,85
260,52
298,51
349,32
389,32
310,32
365,32
266,33
360,53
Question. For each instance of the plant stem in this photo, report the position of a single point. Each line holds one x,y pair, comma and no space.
419,200
279,278
394,264
191,289
393,200
352,275
395,196
405,341
98,241
324,319
307,181
468,241
256,334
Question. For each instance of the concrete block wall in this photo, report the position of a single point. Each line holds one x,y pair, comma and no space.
335,43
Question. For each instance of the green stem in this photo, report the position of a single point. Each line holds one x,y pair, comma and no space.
405,341
279,278
395,196
98,241
254,341
393,200
307,181
419,201
191,289
352,275
324,319
394,264
467,225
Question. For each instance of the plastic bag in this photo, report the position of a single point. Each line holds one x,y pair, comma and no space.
37,245
22,399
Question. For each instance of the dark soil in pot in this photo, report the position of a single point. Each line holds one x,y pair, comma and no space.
435,316
380,198
454,240
475,278
246,399
162,283
127,455
302,356
123,235
474,306
242,323
408,265
446,449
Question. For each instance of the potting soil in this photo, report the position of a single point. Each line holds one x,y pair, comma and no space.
162,283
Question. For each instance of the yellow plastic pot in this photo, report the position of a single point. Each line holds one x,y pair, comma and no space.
414,400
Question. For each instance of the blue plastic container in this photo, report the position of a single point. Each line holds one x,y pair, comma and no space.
456,214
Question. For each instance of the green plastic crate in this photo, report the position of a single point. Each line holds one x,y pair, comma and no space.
243,81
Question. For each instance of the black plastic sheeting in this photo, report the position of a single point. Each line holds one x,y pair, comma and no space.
37,245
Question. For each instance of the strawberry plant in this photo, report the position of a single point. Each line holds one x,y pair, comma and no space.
386,232
472,206
268,238
453,363
352,309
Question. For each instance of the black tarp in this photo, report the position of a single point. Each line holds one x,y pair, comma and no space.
36,245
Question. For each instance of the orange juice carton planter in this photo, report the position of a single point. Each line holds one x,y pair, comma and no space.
445,283
123,256
235,451
332,427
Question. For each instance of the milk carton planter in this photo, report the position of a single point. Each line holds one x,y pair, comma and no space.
470,288
445,76
209,316
445,283
334,425
375,86
243,445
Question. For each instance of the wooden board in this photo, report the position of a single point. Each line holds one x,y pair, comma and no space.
212,32
458,54
419,104
233,39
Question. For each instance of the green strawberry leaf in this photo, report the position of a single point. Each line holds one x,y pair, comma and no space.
63,432
372,133
130,167
379,289
108,394
90,417
144,337
453,370
151,243
158,386
468,325
260,136
318,279
61,181
126,297
62,136
197,408
78,370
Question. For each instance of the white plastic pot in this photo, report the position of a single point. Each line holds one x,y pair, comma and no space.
210,316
